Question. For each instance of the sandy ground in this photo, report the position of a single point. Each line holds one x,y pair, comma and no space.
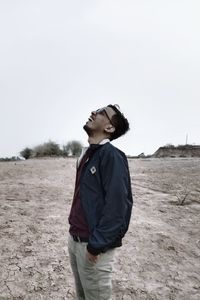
160,258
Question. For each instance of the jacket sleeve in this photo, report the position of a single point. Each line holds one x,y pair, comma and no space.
115,218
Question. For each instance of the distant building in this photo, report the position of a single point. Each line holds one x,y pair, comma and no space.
178,151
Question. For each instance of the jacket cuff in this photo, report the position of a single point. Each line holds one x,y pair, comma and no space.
92,250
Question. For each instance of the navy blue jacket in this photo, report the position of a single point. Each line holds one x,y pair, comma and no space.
106,197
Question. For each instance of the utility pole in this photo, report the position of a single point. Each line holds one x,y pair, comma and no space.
186,139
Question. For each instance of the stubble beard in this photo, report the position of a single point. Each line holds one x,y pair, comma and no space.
88,130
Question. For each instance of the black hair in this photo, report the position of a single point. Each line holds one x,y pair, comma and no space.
120,123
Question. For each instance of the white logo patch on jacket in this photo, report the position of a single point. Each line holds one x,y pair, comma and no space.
93,170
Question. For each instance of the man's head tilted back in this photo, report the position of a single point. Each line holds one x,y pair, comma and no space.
107,121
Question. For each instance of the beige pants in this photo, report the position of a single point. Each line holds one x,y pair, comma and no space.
92,280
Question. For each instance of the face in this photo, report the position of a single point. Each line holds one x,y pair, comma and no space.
100,120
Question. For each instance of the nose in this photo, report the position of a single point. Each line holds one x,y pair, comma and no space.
94,112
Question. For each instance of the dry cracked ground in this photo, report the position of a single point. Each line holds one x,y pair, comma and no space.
160,258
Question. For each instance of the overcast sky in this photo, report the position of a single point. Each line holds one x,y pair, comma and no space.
61,59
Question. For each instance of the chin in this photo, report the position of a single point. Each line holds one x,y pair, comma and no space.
87,129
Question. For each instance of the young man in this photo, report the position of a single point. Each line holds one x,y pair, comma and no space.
102,204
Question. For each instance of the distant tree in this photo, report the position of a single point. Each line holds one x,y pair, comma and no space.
72,148
26,153
47,149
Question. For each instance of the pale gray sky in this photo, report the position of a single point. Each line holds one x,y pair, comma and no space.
61,59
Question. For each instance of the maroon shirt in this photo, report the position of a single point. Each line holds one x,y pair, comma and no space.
77,220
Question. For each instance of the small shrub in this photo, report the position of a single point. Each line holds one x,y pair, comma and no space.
182,194
26,153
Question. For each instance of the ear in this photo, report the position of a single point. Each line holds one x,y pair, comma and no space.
110,129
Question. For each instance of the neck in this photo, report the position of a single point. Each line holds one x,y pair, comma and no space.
96,139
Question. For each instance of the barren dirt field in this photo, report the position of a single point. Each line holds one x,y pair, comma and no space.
160,258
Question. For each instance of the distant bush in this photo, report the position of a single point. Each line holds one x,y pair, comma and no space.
51,148
26,153
169,146
186,146
13,158
47,149
72,148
